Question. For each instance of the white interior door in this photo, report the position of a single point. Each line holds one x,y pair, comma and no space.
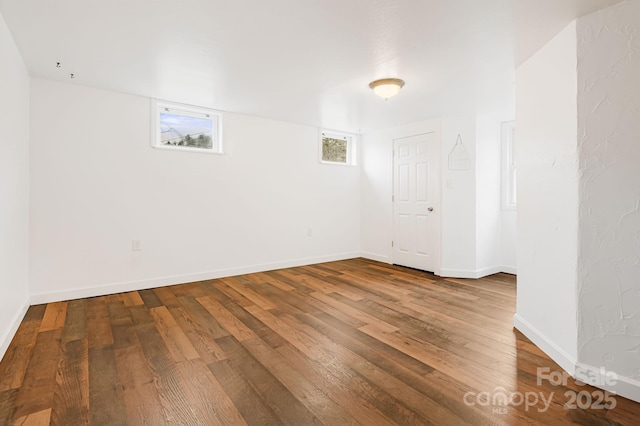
415,197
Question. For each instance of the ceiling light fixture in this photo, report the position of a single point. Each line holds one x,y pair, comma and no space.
386,87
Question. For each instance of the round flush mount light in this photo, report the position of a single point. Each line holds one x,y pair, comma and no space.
386,87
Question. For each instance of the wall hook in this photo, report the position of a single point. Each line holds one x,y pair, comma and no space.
459,158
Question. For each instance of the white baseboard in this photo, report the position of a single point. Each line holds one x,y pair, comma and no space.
620,385
466,273
475,274
509,270
12,328
609,381
485,272
377,257
457,273
556,353
449,273
121,287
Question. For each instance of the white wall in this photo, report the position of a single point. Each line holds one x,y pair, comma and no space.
488,194
459,201
376,222
546,112
14,187
96,184
609,129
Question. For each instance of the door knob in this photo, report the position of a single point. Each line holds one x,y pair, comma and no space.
430,209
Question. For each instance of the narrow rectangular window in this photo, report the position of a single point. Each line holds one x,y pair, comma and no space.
186,128
337,148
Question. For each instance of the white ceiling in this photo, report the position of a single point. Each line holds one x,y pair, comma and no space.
303,61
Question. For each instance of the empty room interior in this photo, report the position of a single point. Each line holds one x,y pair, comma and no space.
331,212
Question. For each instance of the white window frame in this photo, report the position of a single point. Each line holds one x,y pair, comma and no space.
509,177
159,106
351,146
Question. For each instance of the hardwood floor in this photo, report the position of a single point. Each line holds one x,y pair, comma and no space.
350,342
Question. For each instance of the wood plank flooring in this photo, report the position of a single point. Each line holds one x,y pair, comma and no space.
349,342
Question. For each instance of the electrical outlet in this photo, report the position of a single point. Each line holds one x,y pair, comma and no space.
136,245
309,232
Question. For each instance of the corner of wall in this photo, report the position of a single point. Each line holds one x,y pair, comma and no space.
11,329
547,219
608,292
14,209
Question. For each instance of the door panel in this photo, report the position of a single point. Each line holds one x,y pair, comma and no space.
422,182
404,185
404,234
422,228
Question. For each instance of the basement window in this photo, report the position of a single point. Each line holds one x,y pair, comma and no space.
186,128
508,165
337,148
